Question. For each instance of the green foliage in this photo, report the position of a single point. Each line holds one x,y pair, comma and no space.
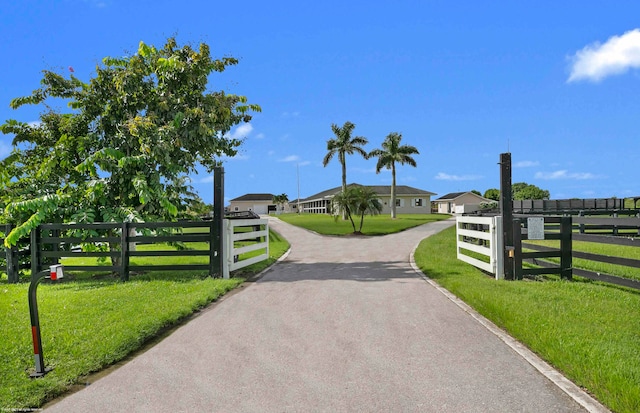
522,190
492,193
519,191
359,201
136,130
393,152
280,200
342,145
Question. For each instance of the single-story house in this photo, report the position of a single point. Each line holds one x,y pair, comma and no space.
459,202
258,203
409,200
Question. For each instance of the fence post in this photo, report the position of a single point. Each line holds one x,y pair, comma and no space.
506,210
216,261
566,261
227,256
517,249
124,252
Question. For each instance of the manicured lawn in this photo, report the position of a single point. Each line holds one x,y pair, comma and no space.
373,225
587,330
93,322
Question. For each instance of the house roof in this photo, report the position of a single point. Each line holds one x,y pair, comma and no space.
254,197
378,189
454,195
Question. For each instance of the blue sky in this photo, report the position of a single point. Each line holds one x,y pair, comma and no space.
555,83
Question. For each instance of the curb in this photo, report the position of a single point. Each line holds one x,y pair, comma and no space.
571,389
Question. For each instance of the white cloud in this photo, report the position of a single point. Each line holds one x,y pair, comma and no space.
206,180
241,131
597,61
290,158
564,174
34,123
446,177
304,163
526,164
290,114
260,136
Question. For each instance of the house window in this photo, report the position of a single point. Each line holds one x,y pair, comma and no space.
418,202
399,202
236,208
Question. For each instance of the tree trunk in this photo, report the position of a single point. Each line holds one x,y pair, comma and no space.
393,190
344,186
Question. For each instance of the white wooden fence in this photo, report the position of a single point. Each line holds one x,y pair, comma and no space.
231,259
483,237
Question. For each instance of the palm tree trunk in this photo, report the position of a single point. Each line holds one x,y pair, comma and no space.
393,190
344,185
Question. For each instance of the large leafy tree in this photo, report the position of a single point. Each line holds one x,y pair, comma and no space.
133,133
519,191
344,144
393,152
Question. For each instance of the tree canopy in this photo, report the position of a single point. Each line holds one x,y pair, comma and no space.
344,144
123,153
519,191
393,152
356,200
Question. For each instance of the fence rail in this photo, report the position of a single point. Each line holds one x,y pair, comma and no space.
51,243
481,235
239,231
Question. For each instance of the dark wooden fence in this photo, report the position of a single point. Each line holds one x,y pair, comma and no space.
50,243
578,233
570,206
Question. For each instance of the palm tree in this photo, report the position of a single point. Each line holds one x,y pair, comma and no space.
356,200
366,202
342,145
391,153
343,205
280,201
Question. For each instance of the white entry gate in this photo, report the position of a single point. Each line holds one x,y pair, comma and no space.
483,236
244,230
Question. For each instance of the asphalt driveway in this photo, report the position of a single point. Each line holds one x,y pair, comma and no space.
340,325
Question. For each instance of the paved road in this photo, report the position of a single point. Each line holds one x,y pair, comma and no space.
340,325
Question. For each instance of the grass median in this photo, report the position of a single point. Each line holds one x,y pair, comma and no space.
587,330
92,322
373,225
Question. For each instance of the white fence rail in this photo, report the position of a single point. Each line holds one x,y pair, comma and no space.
481,235
231,261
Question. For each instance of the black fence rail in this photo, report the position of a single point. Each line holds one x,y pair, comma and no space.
553,231
114,242
564,253
554,206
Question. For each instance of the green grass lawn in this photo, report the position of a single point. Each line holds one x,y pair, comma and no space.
92,322
587,330
373,225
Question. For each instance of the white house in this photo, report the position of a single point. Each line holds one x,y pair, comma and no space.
459,202
409,200
258,203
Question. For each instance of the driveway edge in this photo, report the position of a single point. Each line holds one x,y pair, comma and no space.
571,389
